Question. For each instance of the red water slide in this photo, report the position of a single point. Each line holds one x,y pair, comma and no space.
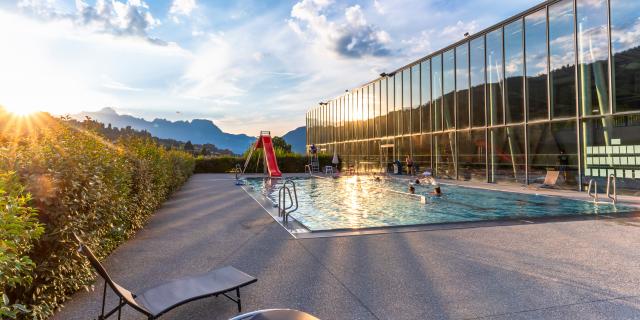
264,142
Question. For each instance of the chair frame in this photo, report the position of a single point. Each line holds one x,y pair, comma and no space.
128,298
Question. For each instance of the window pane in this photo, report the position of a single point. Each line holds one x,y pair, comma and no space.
536,60
553,146
376,111
625,21
494,77
331,113
415,99
477,82
609,144
399,117
472,155
514,61
356,115
562,62
344,118
406,101
436,87
444,155
462,85
372,114
383,107
348,117
338,114
391,117
425,95
449,88
592,56
421,151
364,113
508,157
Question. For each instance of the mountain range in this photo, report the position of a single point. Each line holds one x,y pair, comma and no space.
198,131
297,138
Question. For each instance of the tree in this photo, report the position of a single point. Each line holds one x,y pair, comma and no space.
188,146
204,151
280,143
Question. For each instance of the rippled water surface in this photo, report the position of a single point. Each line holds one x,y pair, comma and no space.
361,202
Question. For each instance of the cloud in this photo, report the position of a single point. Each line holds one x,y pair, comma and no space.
456,31
380,8
132,18
214,71
181,8
351,37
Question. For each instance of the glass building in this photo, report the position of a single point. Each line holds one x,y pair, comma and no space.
554,88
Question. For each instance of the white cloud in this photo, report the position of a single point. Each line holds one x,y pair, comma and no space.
353,37
380,8
456,31
181,8
131,18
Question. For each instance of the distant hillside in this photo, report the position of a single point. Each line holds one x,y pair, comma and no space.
198,131
297,138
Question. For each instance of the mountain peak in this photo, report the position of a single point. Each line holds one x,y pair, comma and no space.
107,110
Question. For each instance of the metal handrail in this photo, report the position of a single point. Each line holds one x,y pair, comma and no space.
613,198
238,171
283,209
595,194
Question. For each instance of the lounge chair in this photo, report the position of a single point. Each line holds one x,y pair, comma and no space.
275,314
159,299
550,180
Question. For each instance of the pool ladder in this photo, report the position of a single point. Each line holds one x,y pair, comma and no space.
238,173
611,189
285,209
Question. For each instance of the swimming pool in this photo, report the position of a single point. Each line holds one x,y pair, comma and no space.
360,202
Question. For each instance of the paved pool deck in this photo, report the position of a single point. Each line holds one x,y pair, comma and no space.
586,269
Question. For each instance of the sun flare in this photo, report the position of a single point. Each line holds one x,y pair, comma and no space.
20,111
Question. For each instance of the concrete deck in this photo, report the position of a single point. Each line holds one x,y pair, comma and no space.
563,270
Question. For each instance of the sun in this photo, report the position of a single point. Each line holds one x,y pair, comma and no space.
20,110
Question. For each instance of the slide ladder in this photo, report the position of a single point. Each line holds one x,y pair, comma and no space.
270,162
315,164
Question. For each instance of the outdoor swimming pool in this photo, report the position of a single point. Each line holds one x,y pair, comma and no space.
359,202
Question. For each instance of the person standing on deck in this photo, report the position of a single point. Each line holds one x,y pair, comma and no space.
409,162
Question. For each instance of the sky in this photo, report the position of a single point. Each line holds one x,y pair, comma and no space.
247,65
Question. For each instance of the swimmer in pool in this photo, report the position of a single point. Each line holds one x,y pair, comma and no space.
436,190
412,189
377,179
417,181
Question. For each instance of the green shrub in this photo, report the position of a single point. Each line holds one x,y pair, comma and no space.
19,228
288,163
217,164
82,183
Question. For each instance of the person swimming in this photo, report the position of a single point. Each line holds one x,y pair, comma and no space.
377,179
412,189
436,190
417,181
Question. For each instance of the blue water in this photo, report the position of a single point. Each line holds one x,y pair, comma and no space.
361,202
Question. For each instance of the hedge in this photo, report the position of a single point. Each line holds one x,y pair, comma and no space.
78,182
290,163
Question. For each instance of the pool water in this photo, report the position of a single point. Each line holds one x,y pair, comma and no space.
361,202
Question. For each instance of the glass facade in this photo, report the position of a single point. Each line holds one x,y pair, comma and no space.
556,88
